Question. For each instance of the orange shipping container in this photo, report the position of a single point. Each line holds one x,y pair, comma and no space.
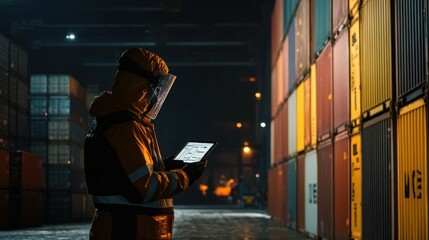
26,170
412,170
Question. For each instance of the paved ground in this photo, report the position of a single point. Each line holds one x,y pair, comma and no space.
190,223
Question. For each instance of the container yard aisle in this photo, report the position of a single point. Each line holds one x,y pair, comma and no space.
195,223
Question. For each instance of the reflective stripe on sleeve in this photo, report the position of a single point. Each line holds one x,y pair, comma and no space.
174,182
151,189
141,172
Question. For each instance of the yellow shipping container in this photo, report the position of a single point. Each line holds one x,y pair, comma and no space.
307,112
412,172
300,117
313,121
376,54
355,108
356,184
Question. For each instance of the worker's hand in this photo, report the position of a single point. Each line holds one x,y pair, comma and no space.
195,170
171,164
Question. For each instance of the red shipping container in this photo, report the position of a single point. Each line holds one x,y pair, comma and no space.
325,190
31,208
4,209
324,93
4,169
283,190
301,192
27,170
341,187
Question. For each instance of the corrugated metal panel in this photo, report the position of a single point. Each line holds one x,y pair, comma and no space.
22,63
4,169
292,51
376,179
23,125
59,207
325,190
4,52
301,192
280,78
341,79
78,206
22,94
323,24
410,40
376,54
353,4
356,184
283,178
271,190
13,57
292,123
355,88
300,117
324,92
311,192
412,172
341,187
277,140
285,130
90,208
12,122
31,208
13,88
292,193
276,29
38,84
59,177
4,209
274,92
313,106
302,41
4,84
339,14
272,143
307,112
289,11
285,52
26,170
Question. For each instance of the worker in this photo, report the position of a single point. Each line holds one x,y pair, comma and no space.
131,185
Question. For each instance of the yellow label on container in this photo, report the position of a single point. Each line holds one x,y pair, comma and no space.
355,108
300,117
313,121
356,186
412,172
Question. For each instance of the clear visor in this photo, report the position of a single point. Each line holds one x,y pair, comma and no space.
160,92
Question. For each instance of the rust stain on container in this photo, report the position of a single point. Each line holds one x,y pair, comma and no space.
324,91
412,170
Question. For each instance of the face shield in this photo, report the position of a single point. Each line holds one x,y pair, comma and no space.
158,93
159,88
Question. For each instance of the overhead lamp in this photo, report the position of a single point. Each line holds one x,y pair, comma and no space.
70,36
263,124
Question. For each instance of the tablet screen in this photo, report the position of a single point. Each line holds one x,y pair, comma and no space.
195,151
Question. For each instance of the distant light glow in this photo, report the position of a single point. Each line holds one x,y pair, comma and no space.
263,124
239,125
252,79
257,175
246,149
70,36
258,95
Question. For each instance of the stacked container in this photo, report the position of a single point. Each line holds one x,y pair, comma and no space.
58,128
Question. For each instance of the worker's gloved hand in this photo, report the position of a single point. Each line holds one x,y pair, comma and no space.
171,164
195,170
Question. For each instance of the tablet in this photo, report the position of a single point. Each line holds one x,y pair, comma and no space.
195,151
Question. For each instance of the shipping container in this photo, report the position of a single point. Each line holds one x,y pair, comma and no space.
12,121
275,100
307,112
78,207
59,207
4,169
286,60
340,12
279,78
322,25
22,101
292,123
38,129
311,193
325,190
300,165
13,57
4,53
26,171
38,84
341,187
300,127
313,106
324,93
412,168
4,208
376,179
31,208
292,193
90,208
353,5
4,84
302,40
276,29
356,184
289,8
23,125
355,87
58,177
341,81
270,191
283,188
13,88
284,121
22,63
272,143
275,142
410,24
376,54
292,52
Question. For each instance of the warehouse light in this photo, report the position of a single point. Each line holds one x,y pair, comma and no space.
70,36
239,125
258,95
263,124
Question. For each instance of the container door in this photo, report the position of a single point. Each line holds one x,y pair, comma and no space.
300,113
324,93
292,193
313,106
412,172
325,190
292,123
356,185
301,192
311,192
355,88
302,41
307,113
